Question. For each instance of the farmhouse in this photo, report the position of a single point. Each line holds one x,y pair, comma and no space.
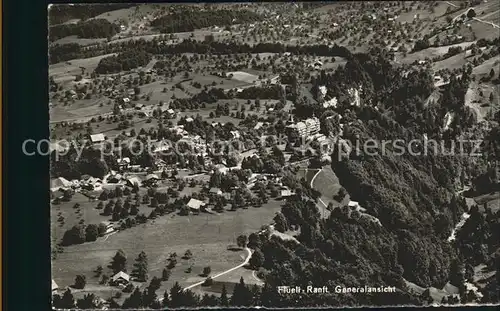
124,163
126,100
286,193
235,134
258,125
171,113
152,177
108,227
97,138
116,178
139,106
133,180
195,204
121,278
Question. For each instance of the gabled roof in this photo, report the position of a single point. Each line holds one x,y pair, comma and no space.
353,204
60,182
152,176
195,204
258,125
97,138
121,275
215,190
134,180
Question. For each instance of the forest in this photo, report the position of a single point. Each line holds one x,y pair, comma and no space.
123,62
189,20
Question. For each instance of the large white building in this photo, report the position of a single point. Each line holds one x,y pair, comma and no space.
305,128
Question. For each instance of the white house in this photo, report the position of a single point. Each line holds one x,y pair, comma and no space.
97,138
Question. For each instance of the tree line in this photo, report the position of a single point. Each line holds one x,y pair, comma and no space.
61,13
124,61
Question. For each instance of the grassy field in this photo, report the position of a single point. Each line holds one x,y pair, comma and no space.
432,52
80,41
492,200
80,109
328,184
72,68
207,236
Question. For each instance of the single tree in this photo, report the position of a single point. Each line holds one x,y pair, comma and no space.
257,259
206,271
188,254
165,275
241,240
91,233
119,262
224,301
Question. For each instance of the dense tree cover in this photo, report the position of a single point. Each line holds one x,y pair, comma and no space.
63,52
71,167
61,13
94,28
189,20
123,61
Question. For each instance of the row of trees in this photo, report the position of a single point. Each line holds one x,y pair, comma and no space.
176,297
191,19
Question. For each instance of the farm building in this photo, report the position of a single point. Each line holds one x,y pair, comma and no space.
235,134
195,204
59,183
97,138
152,177
114,178
171,113
121,278
258,125
286,193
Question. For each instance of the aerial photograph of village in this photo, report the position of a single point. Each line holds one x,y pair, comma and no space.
288,154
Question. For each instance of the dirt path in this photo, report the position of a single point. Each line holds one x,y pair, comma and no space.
323,210
486,22
225,272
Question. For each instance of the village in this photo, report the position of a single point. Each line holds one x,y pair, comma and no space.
178,159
